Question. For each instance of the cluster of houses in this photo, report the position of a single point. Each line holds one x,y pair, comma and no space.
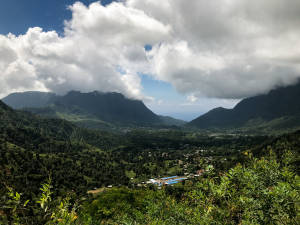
166,180
174,179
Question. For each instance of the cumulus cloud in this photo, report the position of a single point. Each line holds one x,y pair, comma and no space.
221,49
102,49
226,49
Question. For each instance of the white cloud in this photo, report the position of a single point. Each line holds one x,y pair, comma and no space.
221,49
192,98
186,110
98,41
226,49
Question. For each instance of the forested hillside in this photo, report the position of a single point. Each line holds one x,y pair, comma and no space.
32,148
245,179
259,191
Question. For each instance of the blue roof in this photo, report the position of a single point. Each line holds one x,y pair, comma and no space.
180,179
166,178
174,181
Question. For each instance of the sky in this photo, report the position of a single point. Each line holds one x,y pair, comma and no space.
182,58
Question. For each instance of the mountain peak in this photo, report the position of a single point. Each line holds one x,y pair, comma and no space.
21,100
278,103
95,93
4,106
110,107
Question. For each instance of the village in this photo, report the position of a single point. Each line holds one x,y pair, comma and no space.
186,164
172,180
160,182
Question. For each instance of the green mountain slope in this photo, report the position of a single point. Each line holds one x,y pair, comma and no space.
110,107
93,110
33,148
279,109
170,121
28,131
72,114
30,99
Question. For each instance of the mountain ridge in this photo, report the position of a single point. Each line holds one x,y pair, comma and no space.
92,110
31,99
278,103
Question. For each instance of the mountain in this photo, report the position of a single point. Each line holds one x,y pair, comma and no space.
93,110
33,148
29,99
31,131
4,108
278,109
73,114
170,121
110,107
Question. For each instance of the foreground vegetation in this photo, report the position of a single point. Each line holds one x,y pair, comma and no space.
263,191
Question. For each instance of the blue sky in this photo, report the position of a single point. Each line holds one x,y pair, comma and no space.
170,99
193,61
16,16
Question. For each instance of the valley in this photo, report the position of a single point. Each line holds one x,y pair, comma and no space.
149,112
116,175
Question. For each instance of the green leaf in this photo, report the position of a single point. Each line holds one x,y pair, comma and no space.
26,203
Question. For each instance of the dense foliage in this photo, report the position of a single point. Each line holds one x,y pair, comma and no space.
262,192
247,179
